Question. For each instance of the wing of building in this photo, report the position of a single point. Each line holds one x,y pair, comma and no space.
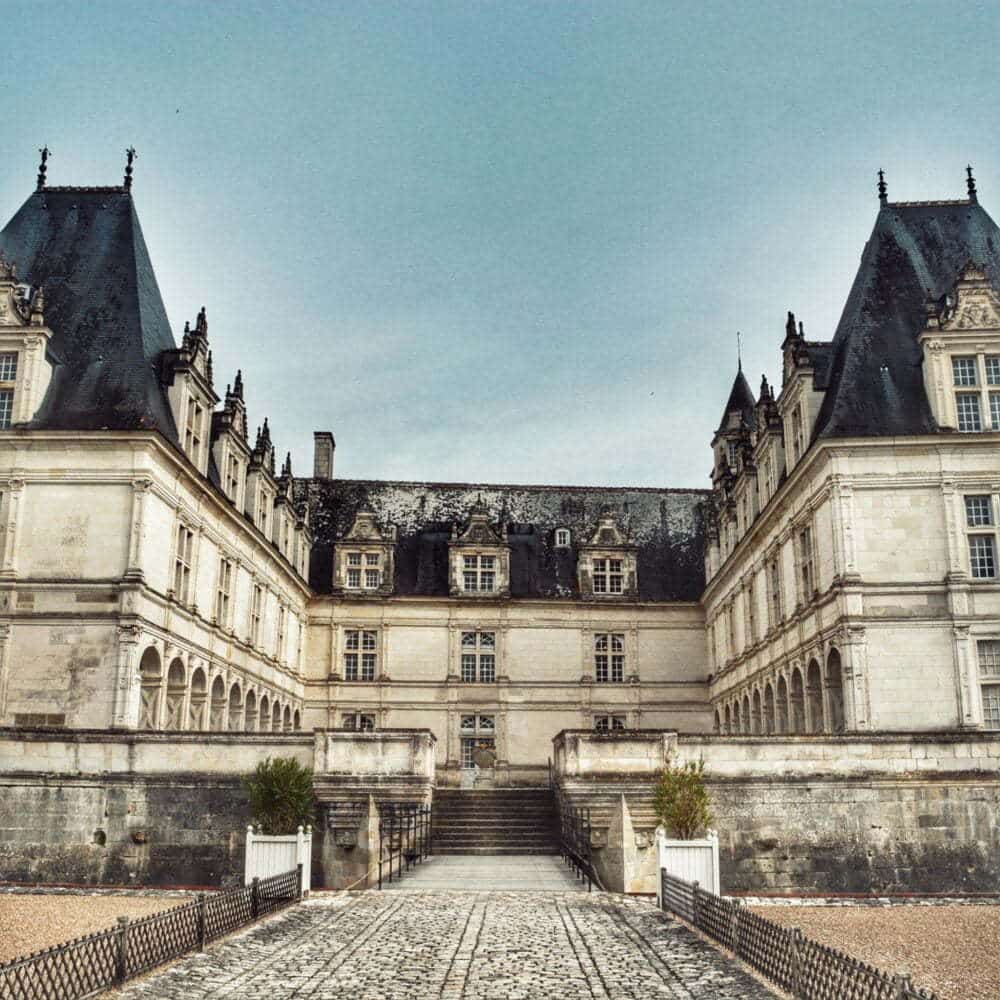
158,572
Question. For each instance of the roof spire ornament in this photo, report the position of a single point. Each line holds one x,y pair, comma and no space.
130,155
238,384
42,168
739,352
970,183
883,190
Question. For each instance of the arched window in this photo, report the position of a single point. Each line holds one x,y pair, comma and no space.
797,706
150,679
196,709
217,708
235,708
781,707
265,714
176,690
251,712
814,688
835,684
768,709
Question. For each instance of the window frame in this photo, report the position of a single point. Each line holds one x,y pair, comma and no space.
980,524
615,723
607,572
183,562
224,592
610,662
8,389
478,569
360,654
478,658
989,680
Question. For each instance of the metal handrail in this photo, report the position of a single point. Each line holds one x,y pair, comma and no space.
574,841
404,831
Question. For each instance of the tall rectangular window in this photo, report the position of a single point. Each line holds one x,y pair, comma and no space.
806,570
993,369
969,415
256,604
478,736
479,574
774,590
983,556
8,367
751,619
609,657
263,509
479,657
192,429
982,544
963,370
223,592
360,654
988,654
8,376
798,433
608,576
233,477
182,563
279,645
978,510
6,408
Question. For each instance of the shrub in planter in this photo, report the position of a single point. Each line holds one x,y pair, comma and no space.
681,800
281,795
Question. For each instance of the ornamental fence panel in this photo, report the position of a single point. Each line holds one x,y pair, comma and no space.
804,968
89,965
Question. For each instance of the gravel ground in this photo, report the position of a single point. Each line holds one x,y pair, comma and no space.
953,950
31,922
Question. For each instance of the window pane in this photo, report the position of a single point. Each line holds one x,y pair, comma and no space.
982,556
351,666
601,668
993,370
468,667
487,640
617,642
602,723
978,511
353,558
486,581
468,722
371,579
468,638
469,581
8,367
354,578
995,410
989,657
470,562
991,706
967,405
486,562
368,640
351,638
367,666
486,722
617,722
964,370
371,559
601,641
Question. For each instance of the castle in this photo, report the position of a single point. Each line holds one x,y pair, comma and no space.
161,571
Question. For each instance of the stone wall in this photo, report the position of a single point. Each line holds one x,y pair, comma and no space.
918,812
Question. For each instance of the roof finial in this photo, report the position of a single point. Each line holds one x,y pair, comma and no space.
130,155
238,384
883,190
739,352
42,168
970,183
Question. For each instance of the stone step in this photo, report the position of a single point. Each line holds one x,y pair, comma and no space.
504,851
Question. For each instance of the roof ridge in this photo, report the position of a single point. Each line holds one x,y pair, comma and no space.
925,204
515,486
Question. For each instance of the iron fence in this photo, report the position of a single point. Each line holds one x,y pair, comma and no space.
574,841
404,833
802,967
89,965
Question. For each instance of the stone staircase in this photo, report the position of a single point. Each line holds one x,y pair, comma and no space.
494,821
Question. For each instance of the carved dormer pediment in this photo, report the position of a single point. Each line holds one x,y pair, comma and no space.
973,304
364,559
606,566
479,557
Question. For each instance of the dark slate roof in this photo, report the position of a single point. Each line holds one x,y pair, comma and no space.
84,246
916,250
741,399
665,525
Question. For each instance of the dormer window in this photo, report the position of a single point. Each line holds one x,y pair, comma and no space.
608,576
479,574
363,570
8,376
263,504
364,563
606,567
562,538
192,429
233,475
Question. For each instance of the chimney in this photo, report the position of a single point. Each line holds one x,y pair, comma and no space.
323,447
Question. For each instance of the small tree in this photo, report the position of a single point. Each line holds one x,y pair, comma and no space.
681,800
281,795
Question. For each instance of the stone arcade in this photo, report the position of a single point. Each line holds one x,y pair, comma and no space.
822,626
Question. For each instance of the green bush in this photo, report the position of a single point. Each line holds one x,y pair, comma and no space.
681,800
281,795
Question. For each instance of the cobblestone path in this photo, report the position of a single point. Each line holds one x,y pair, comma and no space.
470,945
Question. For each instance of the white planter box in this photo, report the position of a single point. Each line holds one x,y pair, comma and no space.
691,860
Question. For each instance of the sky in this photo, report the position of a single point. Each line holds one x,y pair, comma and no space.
504,242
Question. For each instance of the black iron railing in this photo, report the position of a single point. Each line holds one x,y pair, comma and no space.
804,968
404,832
91,964
574,841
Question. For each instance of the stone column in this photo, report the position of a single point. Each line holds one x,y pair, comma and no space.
140,490
125,707
4,672
854,667
970,713
15,493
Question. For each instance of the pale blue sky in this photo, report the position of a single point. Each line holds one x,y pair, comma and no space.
503,242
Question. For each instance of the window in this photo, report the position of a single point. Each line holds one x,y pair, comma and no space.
360,654
478,733
608,576
479,574
797,432
263,504
232,477
192,429
256,600
983,556
774,591
8,375
733,454
279,645
978,510
731,626
751,619
479,657
969,416
964,371
182,563
562,538
363,570
993,369
362,722
988,654
223,592
806,574
609,723
995,411
609,657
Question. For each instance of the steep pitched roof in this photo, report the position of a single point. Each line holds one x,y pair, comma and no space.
84,246
741,399
666,526
916,251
